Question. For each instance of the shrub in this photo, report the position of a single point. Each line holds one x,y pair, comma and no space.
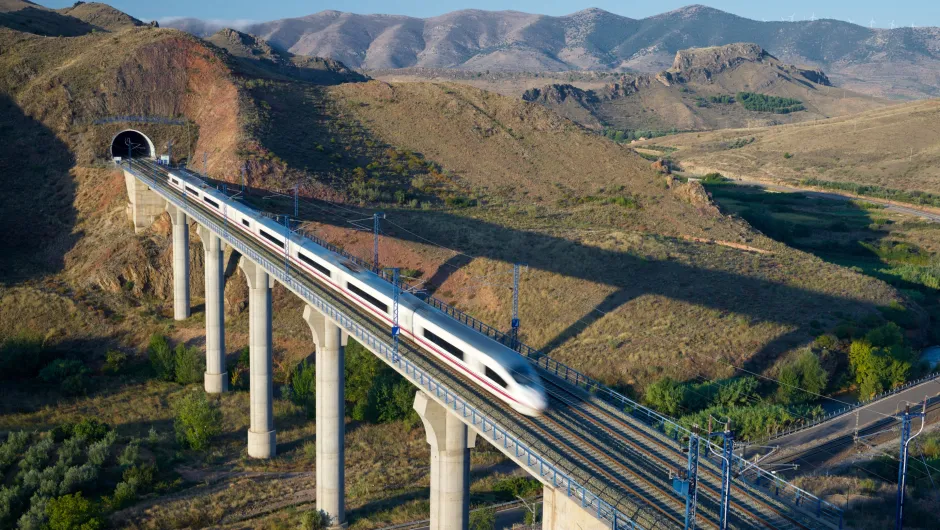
91,429
73,512
11,449
60,369
37,455
10,502
483,519
513,487
197,420
303,383
737,392
21,356
665,395
802,379
190,365
162,358
314,520
76,477
877,369
99,451
75,385
115,361
124,495
130,455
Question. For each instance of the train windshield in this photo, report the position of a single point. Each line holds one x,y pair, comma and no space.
523,373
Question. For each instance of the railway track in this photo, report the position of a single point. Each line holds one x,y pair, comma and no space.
586,440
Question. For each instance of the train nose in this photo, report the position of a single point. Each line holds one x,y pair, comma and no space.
537,399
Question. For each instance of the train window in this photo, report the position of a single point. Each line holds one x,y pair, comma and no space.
367,297
192,190
303,257
272,239
448,347
495,377
246,223
175,181
210,202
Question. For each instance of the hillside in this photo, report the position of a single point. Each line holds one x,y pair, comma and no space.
256,57
902,62
905,156
698,92
101,16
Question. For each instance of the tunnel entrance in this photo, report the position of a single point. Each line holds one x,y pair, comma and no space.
134,143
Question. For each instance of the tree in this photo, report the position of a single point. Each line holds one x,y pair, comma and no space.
190,364
303,383
197,420
665,395
73,512
483,519
162,358
802,379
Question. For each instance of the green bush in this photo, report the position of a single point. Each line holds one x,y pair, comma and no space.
877,369
75,385
303,387
737,392
483,519
190,365
37,455
315,520
197,420
665,395
115,361
162,358
513,487
99,451
21,356
91,429
802,379
748,423
73,512
130,455
10,504
60,369
11,449
77,477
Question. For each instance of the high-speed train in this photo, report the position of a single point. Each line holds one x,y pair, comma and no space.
490,365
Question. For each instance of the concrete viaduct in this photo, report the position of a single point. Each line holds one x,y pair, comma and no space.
606,463
447,431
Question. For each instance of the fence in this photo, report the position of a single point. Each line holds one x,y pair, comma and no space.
498,435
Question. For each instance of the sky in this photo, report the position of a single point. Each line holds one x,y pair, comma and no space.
902,12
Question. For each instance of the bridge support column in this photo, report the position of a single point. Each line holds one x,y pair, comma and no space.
330,342
450,442
216,378
143,204
180,262
261,435
560,512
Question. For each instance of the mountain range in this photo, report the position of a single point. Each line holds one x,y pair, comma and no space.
902,62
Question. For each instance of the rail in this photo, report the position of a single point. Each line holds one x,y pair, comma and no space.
664,424
498,436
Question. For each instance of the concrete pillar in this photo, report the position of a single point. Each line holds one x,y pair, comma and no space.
330,342
261,435
143,204
450,442
560,512
216,378
180,262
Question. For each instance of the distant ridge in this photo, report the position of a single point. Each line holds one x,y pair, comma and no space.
906,60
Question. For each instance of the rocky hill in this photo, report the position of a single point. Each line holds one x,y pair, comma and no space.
906,60
698,92
256,56
101,16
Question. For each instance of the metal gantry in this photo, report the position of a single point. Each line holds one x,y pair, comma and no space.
515,305
691,493
375,239
905,442
726,455
396,329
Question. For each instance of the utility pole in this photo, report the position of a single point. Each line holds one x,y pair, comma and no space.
396,330
296,200
514,333
375,239
902,469
287,244
726,455
691,493
169,152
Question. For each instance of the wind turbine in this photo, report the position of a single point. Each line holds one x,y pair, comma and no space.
792,16
892,24
872,24
813,18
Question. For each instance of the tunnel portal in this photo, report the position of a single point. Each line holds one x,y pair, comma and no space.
133,143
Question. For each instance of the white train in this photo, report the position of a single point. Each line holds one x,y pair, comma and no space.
490,365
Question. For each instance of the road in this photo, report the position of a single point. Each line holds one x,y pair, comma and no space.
890,206
845,425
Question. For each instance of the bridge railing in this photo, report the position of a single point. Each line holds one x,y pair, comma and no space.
497,434
665,425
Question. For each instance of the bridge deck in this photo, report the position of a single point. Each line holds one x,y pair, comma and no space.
617,458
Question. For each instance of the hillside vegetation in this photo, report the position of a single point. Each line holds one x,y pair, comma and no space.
894,148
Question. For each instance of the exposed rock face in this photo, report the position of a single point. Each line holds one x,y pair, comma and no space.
558,94
700,64
816,76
